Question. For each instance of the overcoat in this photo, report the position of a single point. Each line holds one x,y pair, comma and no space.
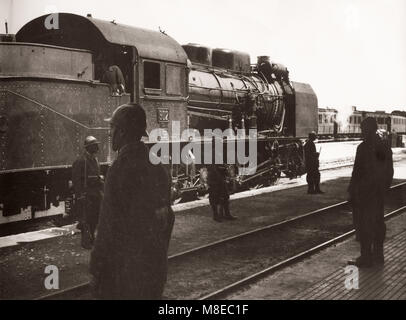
129,258
88,187
216,179
371,177
86,175
311,157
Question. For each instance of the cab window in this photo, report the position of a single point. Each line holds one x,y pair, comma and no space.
152,75
174,80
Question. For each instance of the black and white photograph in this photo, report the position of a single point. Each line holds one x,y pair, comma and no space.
218,152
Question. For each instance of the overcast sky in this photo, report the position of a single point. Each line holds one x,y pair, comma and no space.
352,52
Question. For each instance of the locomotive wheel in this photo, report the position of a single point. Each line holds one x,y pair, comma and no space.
273,180
202,197
175,193
188,196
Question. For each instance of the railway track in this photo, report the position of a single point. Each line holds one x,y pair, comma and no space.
241,284
180,263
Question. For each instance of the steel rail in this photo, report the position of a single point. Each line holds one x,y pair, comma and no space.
83,287
236,286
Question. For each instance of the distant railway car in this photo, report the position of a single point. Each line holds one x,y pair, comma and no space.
398,123
352,126
382,118
327,122
330,124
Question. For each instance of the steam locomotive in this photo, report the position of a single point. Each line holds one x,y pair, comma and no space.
52,97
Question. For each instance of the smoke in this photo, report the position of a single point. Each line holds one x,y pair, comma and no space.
343,116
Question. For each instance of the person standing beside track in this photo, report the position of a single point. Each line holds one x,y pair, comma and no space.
312,165
371,178
88,187
218,193
129,258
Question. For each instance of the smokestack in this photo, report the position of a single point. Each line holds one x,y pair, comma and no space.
6,27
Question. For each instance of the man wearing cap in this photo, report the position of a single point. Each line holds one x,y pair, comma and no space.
129,258
88,187
371,177
312,165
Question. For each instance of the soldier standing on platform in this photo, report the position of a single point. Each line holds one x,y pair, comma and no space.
371,177
88,187
218,193
312,165
129,258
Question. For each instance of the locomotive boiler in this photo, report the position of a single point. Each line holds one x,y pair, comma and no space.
52,96
225,89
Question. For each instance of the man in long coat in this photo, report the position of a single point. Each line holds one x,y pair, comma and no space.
219,196
129,259
312,165
371,177
88,187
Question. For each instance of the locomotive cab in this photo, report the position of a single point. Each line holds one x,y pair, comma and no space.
154,65
52,95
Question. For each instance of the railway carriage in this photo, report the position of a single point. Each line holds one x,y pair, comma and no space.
329,124
382,119
398,122
352,127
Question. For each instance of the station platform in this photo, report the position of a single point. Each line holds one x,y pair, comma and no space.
326,276
387,282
